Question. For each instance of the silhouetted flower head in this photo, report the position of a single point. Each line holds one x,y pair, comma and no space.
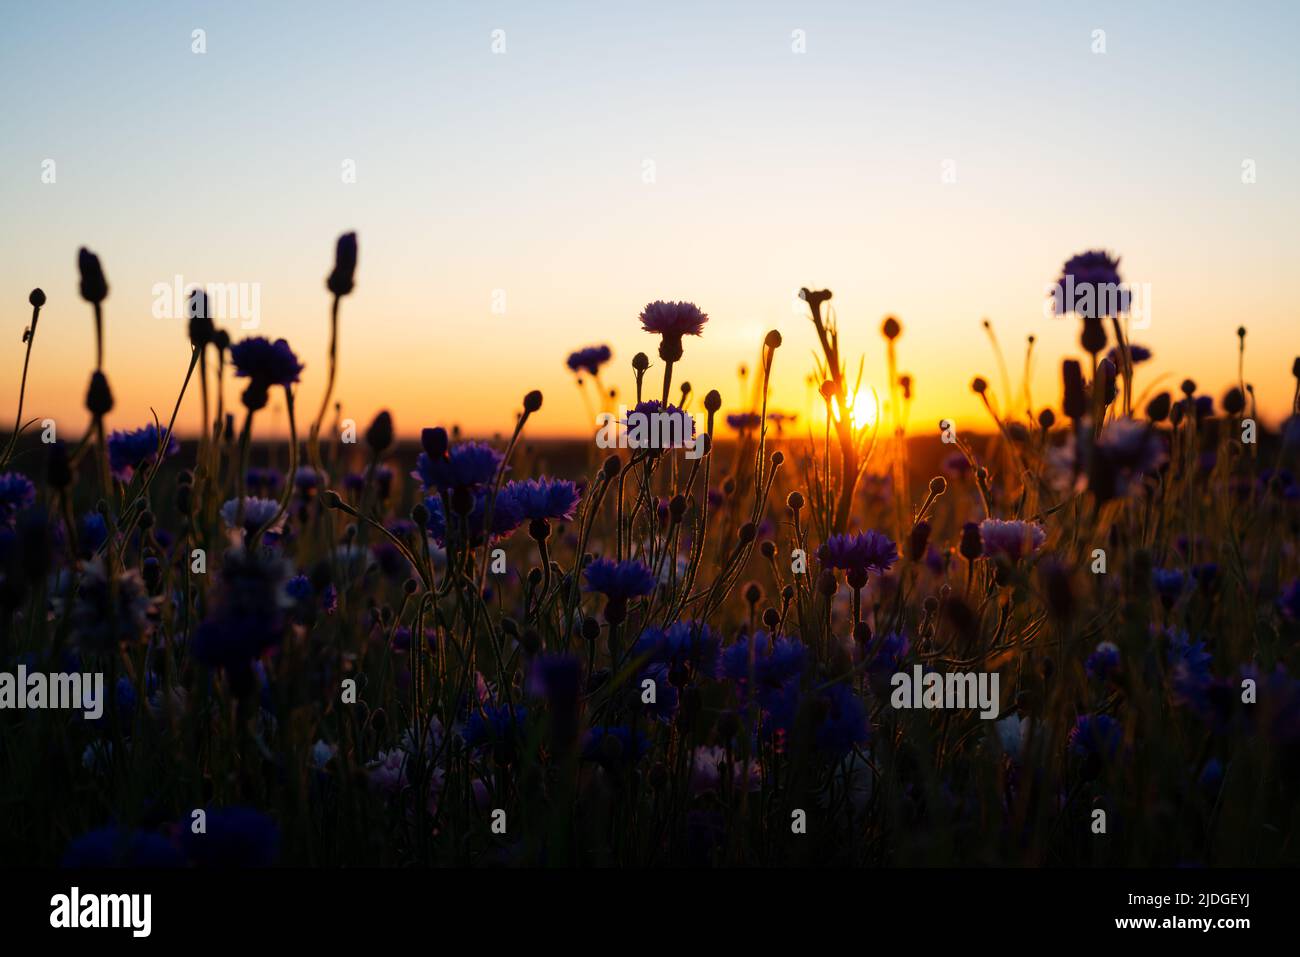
870,551
653,425
1012,539
500,727
1289,601
16,493
466,465
619,580
506,517
248,617
131,449
265,362
771,663
744,421
340,281
589,359
106,614
1095,735
691,646
1090,286
544,498
1137,353
263,480
1104,660
845,725
673,318
94,287
671,321
1169,583
257,512
615,747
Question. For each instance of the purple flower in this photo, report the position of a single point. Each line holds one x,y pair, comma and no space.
1137,353
544,498
688,648
845,725
859,551
589,359
1289,601
1014,539
1090,286
652,425
257,512
16,493
619,580
130,449
1104,661
506,517
615,747
771,663
265,362
674,319
1169,584
469,465
744,421
1095,735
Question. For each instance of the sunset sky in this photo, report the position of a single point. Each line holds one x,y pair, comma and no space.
528,171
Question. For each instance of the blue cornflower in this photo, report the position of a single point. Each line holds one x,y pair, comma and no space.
618,582
544,498
16,493
306,480
653,425
675,319
744,421
114,846
667,697
1190,654
773,663
1169,584
247,618
92,532
495,725
691,646
1104,660
1136,353
299,588
130,449
615,579
1289,601
890,654
869,551
260,480
615,747
589,359
470,465
265,362
1090,286
1095,735
257,512
236,837
506,517
845,725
